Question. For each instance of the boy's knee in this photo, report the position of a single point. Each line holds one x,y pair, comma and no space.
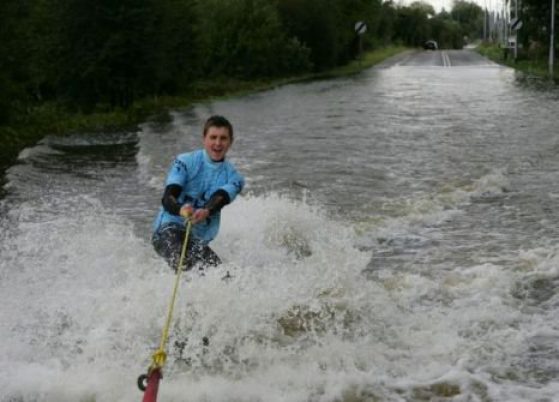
202,255
168,245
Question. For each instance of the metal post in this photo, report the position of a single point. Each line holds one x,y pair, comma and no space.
506,19
516,33
485,24
552,39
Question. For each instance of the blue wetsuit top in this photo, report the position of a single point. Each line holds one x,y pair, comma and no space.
199,177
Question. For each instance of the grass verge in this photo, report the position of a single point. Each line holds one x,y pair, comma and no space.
529,64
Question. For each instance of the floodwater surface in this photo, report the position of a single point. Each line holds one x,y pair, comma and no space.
397,240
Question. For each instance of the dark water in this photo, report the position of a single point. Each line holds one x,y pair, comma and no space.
397,241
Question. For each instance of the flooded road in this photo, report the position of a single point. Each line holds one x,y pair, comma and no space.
397,241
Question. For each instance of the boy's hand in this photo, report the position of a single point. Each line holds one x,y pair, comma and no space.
186,211
197,216
200,215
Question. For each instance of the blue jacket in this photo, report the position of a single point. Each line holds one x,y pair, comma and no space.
200,177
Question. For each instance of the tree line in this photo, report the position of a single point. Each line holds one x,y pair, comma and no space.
534,36
103,54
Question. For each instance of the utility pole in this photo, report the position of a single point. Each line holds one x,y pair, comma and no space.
485,24
516,33
506,19
552,39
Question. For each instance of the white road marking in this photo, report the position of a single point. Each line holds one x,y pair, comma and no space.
445,59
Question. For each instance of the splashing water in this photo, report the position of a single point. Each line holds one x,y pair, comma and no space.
385,256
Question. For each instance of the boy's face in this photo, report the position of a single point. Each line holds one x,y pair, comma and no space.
217,141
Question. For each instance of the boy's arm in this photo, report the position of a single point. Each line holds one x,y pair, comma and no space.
218,200
224,195
176,177
169,200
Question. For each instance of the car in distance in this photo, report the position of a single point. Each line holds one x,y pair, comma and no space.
430,45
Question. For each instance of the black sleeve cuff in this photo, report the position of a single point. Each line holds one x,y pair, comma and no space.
169,200
218,200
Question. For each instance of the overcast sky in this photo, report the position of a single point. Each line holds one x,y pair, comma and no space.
447,4
439,4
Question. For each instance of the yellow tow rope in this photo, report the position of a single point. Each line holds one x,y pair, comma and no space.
160,356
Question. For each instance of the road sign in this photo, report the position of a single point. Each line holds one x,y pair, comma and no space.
360,27
516,24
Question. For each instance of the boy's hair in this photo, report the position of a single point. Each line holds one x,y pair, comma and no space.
218,121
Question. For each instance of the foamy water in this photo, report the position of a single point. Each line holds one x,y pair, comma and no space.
380,253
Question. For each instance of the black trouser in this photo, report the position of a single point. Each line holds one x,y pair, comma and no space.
168,241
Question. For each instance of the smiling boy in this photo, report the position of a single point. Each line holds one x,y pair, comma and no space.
198,185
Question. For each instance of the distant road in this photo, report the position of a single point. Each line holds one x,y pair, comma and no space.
439,58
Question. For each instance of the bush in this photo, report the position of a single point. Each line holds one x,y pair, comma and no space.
245,39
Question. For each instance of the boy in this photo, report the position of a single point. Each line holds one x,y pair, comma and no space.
199,184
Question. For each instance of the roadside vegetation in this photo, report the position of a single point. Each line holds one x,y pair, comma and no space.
533,39
85,65
534,65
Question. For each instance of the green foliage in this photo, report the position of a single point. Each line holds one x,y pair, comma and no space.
534,67
89,52
386,28
413,25
423,8
418,22
314,25
326,27
447,32
368,11
470,17
176,53
104,50
536,17
14,52
244,38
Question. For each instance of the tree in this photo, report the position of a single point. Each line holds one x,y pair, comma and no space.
470,17
246,39
447,32
176,54
327,27
536,16
368,11
423,8
14,58
386,31
413,25
103,50
313,22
